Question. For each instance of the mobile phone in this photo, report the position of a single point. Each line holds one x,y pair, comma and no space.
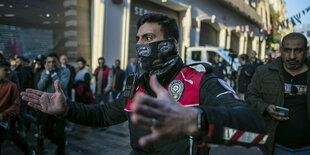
131,85
283,112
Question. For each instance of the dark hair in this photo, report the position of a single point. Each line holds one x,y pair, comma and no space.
81,59
54,55
2,57
40,57
295,35
244,57
101,58
4,63
168,25
22,58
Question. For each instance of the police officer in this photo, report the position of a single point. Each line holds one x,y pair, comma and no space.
192,108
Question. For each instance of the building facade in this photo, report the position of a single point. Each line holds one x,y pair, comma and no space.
107,28
228,24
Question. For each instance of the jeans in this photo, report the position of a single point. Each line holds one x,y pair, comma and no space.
282,150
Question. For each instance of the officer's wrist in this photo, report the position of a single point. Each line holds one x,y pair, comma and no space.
201,123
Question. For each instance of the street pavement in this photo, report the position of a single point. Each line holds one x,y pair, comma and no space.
105,141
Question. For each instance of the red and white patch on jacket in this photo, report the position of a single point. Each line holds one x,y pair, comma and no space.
184,88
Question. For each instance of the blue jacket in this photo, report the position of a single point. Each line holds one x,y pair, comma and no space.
46,82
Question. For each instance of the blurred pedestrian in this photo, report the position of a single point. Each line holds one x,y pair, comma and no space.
245,73
23,73
254,60
54,128
219,68
25,77
284,82
82,83
131,67
9,100
118,78
12,76
103,75
63,59
11,133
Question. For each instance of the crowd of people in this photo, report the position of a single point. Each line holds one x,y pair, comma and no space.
174,108
41,74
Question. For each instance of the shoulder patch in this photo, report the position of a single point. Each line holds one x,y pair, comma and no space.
176,89
227,87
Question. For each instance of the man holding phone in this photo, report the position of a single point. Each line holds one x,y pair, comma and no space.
279,92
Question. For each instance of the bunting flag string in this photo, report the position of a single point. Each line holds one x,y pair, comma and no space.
296,19
279,25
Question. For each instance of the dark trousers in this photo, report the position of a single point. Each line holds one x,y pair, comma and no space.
3,132
54,129
115,94
15,137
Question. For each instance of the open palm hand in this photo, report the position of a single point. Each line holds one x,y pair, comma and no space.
51,103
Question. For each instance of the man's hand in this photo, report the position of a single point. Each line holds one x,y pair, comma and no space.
51,103
50,68
163,115
271,109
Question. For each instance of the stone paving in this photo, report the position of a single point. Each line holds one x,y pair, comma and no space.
113,140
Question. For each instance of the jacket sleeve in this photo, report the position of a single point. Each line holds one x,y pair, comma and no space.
14,108
14,78
228,119
110,80
63,77
249,70
98,115
254,95
87,79
44,80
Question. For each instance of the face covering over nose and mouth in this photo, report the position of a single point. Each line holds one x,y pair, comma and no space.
157,58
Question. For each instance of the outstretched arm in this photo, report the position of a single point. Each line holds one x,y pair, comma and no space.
91,115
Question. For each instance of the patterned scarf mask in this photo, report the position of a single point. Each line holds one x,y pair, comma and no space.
157,58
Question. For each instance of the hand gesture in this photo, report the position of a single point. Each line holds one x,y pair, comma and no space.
271,109
51,103
163,115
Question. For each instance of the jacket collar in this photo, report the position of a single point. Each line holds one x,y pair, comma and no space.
276,64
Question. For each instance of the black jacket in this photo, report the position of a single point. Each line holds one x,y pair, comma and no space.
244,79
219,69
24,77
267,87
119,76
222,111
